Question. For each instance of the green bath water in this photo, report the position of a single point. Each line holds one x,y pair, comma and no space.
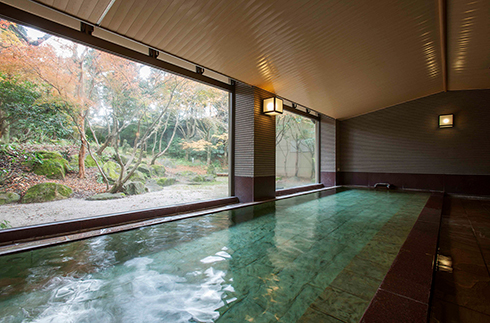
300,258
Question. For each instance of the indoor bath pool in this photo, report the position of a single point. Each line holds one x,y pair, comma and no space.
290,260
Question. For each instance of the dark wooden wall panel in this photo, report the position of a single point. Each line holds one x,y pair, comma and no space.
405,138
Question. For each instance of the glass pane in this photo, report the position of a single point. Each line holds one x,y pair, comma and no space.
295,150
77,122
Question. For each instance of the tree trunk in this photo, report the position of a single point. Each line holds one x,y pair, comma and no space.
296,164
83,148
104,146
208,156
5,132
4,128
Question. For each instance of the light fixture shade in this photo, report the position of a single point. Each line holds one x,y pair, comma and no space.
272,106
446,121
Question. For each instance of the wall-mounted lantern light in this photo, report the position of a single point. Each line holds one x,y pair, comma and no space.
446,121
272,106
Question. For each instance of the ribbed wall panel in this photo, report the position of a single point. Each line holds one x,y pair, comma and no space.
244,130
265,138
327,142
406,138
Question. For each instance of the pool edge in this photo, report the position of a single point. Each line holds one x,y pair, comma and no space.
404,293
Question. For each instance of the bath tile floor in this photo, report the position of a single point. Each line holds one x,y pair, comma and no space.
349,294
463,295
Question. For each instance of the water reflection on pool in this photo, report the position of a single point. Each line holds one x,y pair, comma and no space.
214,268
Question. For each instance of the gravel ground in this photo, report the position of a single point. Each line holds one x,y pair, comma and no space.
74,208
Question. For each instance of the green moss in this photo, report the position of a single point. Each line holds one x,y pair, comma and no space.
198,179
89,161
158,170
134,188
50,164
145,170
112,170
138,177
9,197
165,181
48,154
46,192
52,168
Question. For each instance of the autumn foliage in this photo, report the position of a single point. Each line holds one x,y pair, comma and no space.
105,103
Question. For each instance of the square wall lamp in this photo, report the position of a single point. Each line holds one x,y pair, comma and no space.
446,121
272,106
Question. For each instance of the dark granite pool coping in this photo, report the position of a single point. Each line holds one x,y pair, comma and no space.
404,294
298,189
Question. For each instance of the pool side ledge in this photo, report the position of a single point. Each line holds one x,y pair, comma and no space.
404,294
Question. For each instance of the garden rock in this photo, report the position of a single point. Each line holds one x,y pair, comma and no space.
144,169
89,161
209,178
46,192
202,178
53,165
112,171
9,197
158,170
134,188
138,177
165,181
48,154
106,196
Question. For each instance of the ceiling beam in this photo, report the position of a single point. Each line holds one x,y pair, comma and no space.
84,38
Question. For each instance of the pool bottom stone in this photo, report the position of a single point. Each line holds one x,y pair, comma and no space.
309,260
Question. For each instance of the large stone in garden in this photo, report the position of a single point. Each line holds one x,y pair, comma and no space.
158,170
134,188
210,178
9,197
202,178
46,192
145,169
106,196
198,179
48,154
165,181
89,161
52,165
112,170
138,177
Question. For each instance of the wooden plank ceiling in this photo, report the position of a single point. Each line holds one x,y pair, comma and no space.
339,57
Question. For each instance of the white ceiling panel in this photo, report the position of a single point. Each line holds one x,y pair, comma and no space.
341,58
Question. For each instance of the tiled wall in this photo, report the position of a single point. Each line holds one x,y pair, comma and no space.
265,137
255,139
403,144
328,148
244,130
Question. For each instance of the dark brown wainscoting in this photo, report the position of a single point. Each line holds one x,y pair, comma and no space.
14,235
252,189
452,184
328,178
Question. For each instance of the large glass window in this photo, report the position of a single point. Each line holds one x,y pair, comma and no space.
295,150
86,133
